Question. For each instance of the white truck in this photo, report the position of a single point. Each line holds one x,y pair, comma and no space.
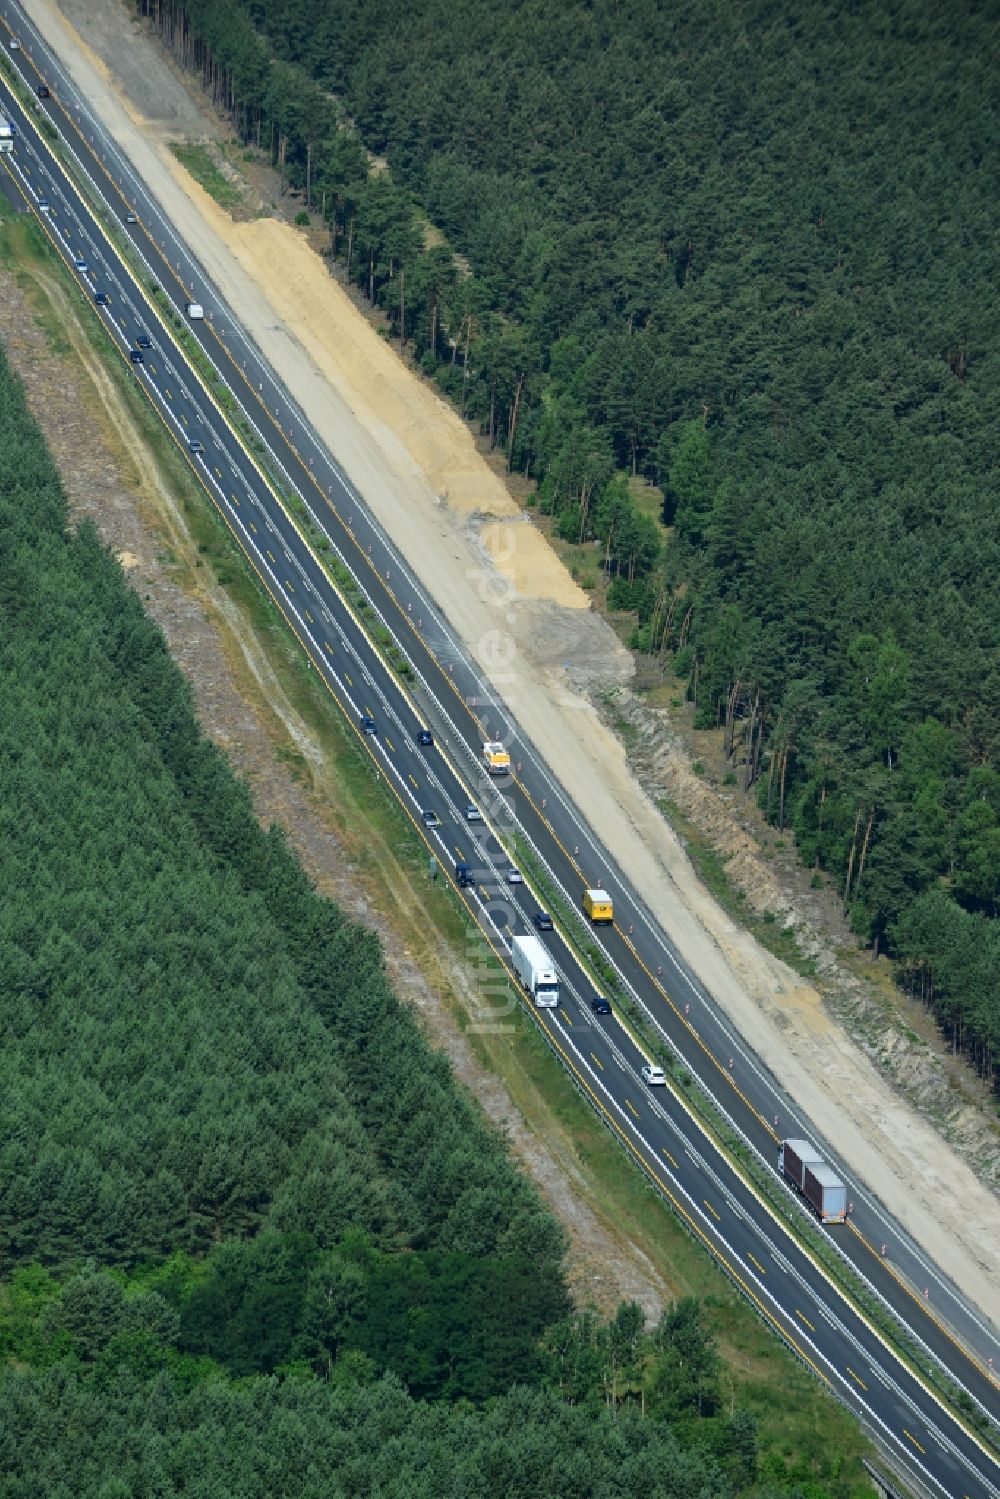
536,971
7,133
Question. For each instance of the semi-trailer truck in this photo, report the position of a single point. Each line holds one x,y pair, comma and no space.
802,1165
536,971
7,133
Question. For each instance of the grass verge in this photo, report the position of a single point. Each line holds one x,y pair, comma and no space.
198,161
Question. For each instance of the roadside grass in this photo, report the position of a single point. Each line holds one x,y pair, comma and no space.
800,1422
197,160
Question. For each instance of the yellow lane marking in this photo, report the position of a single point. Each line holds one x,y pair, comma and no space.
170,394
669,1157
389,743
269,553
711,1209
856,1377
348,680
327,646
235,499
597,1059
569,1018
914,1440
803,1318
253,528
757,1262
921,1303
218,473
310,618
631,1107
413,782
287,584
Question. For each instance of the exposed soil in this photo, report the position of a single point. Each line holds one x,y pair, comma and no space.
447,510
111,478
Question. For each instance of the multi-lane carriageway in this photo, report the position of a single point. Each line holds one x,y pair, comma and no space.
721,1209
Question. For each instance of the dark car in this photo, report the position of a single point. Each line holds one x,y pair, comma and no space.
143,341
463,874
600,1005
135,355
543,921
43,91
368,725
101,298
431,819
425,737
196,445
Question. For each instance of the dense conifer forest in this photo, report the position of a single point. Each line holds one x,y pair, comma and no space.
748,254
253,1238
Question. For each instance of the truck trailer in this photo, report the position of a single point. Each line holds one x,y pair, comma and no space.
536,971
802,1165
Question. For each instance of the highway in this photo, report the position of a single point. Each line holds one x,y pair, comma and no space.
448,695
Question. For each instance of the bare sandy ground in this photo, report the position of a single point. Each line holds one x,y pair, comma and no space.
454,522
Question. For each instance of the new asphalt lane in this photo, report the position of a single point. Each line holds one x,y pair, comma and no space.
789,1290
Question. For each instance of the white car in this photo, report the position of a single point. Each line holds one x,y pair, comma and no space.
14,44
514,875
43,205
655,1077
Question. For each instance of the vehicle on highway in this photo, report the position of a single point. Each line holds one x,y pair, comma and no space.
473,814
14,44
7,133
600,1005
136,356
514,875
464,876
534,967
425,737
194,309
543,921
495,758
43,91
597,905
368,724
819,1184
101,298
196,445
43,205
430,818
131,218
80,264
143,340
654,1076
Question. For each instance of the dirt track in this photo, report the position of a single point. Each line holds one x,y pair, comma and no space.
453,520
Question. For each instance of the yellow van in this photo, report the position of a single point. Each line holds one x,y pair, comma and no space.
597,904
